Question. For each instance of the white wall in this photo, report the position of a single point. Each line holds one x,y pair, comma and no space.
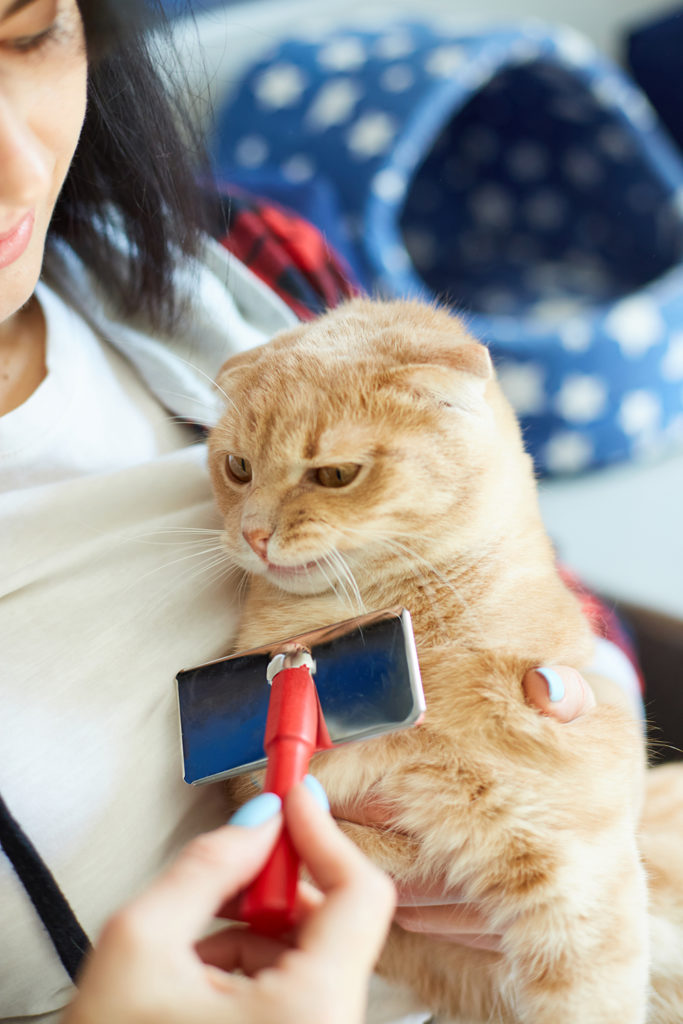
229,38
604,21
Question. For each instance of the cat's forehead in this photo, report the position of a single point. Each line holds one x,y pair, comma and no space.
311,366
302,405
354,365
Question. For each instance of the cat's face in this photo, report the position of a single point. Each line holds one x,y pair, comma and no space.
352,445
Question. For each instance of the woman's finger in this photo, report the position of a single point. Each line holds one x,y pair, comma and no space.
465,925
211,869
359,898
239,949
460,919
428,894
558,691
491,942
372,811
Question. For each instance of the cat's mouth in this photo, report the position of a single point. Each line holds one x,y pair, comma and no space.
285,571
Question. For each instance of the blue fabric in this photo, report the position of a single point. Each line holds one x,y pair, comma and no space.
515,173
655,58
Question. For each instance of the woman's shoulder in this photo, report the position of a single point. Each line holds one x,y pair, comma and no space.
223,309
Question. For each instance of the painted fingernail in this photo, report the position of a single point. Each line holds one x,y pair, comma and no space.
317,791
258,810
554,681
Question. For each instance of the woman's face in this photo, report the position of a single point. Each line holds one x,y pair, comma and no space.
42,106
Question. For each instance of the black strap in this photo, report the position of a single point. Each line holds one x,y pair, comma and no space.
53,908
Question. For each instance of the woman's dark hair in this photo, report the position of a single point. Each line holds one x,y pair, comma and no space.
133,162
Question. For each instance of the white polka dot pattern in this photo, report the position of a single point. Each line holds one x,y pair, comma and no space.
515,173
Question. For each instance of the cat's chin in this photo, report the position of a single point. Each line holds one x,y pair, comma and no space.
300,579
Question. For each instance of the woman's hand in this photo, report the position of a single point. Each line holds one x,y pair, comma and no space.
559,692
149,967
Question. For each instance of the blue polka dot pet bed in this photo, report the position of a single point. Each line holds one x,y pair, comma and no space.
514,173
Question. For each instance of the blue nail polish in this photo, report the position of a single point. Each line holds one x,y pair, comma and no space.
258,810
317,791
554,681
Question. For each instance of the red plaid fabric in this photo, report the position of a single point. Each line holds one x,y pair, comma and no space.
604,620
287,252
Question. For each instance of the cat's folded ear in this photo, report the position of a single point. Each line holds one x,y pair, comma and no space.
227,378
230,370
455,376
238,362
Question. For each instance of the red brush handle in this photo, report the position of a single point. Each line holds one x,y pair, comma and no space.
290,740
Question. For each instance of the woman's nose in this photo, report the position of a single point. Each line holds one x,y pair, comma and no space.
25,162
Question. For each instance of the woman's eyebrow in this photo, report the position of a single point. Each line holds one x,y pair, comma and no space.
14,8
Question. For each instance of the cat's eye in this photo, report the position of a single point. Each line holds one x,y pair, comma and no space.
337,476
238,468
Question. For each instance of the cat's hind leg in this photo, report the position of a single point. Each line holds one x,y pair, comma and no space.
570,969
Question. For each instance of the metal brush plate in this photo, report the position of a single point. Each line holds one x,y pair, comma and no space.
367,677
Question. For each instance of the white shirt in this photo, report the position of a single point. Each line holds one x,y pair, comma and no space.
103,598
105,595
91,414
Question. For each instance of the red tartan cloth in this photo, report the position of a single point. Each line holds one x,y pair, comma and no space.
604,620
291,256
288,253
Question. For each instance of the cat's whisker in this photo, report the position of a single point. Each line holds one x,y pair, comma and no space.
345,579
220,571
180,542
345,573
320,562
418,565
242,586
218,560
180,535
211,551
360,604
211,555
345,597
381,540
403,551
338,584
197,369
189,531
186,398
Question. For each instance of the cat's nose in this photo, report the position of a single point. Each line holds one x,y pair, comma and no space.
258,542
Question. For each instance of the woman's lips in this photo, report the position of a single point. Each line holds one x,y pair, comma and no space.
14,242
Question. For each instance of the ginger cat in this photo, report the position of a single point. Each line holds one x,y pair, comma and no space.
369,459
